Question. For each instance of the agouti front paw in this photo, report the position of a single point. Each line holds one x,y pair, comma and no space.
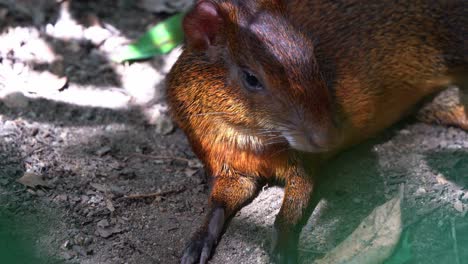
284,256
284,248
203,243
199,248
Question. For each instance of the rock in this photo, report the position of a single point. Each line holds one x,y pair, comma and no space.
116,190
103,223
88,241
79,249
420,191
103,151
16,100
107,232
102,229
95,199
99,187
67,245
66,255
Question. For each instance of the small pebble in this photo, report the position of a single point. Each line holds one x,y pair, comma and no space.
103,151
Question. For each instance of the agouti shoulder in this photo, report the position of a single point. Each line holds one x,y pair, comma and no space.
270,89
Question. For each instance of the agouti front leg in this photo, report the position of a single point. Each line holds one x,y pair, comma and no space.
296,209
230,192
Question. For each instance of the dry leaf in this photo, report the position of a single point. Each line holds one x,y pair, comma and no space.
458,205
373,241
31,180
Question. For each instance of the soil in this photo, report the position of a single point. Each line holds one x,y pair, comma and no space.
93,171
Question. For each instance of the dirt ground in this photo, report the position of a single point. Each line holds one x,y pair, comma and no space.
91,138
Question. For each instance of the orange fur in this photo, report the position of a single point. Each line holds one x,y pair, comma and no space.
333,73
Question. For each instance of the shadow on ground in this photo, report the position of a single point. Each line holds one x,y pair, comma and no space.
453,164
64,114
22,220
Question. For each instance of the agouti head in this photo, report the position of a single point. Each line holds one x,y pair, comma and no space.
267,79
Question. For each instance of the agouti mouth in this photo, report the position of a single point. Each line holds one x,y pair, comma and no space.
301,142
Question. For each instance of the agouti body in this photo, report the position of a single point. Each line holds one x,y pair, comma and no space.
267,91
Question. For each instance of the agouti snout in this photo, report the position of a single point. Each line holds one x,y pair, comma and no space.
268,90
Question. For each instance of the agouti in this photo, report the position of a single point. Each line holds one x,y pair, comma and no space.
269,90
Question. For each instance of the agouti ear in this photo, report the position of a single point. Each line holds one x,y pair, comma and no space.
202,24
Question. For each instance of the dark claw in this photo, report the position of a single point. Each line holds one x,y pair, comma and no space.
199,249
203,244
284,257
207,250
284,247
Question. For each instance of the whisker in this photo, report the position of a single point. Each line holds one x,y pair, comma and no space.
275,136
187,115
274,143
279,151
267,132
212,113
275,139
278,139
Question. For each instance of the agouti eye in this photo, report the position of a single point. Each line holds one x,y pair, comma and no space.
251,82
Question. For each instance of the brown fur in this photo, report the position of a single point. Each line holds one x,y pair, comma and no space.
339,70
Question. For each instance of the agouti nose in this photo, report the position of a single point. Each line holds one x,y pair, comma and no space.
307,139
312,139
319,137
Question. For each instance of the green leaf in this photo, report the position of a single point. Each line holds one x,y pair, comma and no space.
159,40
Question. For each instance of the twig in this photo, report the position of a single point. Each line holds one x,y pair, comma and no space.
455,243
152,195
159,157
